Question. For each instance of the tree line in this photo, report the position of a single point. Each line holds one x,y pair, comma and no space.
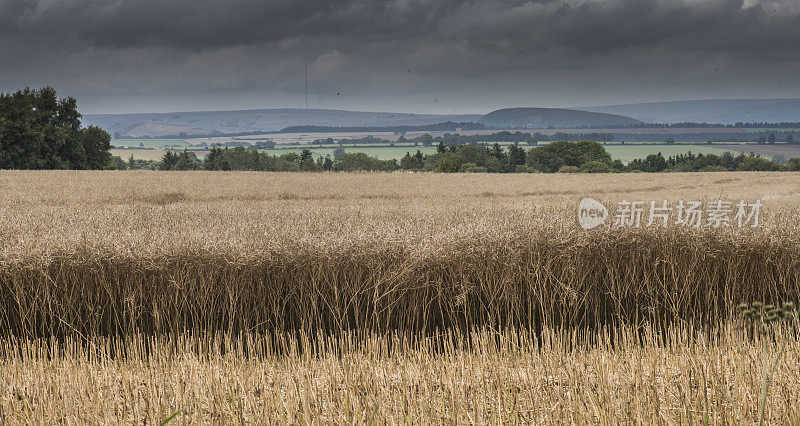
531,139
696,125
447,126
454,139
560,156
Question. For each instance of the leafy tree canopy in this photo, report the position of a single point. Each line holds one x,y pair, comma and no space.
40,131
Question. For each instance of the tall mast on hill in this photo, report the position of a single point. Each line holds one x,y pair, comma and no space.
306,61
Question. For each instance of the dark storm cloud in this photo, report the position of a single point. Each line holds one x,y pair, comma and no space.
587,26
215,23
597,27
393,46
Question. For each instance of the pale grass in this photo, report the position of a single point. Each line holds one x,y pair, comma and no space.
93,262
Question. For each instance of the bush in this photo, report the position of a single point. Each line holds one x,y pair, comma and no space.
755,163
451,163
361,162
568,169
596,167
553,156
793,165
472,168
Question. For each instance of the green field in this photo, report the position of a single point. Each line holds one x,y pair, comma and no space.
627,153
382,153
139,154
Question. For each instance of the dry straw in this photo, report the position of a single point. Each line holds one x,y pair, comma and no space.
399,297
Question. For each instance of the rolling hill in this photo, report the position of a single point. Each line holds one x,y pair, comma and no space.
539,118
187,124
724,111
214,122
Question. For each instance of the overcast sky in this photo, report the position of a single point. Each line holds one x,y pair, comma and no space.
443,56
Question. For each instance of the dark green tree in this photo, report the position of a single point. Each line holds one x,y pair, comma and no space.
168,161
551,157
407,162
793,165
96,147
516,157
305,155
187,160
40,131
497,152
264,145
756,163
117,163
215,159
451,163
653,163
306,161
359,161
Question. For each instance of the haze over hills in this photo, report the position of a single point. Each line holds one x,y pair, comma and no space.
540,118
187,124
723,111
210,122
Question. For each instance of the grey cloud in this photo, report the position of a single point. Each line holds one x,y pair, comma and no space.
597,27
430,49
522,27
215,23
583,25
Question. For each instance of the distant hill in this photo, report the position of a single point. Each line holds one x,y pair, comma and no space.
723,111
188,124
210,122
540,118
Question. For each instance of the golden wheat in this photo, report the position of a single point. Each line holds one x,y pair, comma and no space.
104,274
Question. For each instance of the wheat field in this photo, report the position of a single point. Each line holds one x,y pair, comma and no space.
127,297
